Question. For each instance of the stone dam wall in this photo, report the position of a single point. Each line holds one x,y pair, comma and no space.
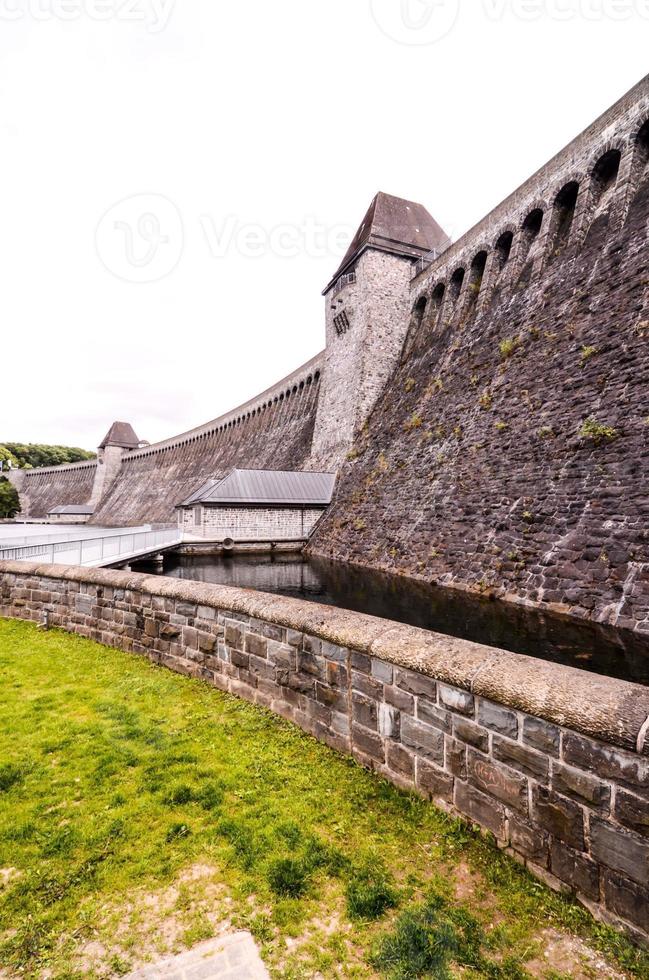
509,451
553,761
272,431
48,486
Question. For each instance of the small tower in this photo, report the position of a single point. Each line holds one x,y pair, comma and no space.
119,439
366,308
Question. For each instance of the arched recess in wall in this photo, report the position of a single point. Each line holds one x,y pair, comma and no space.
414,329
476,276
563,216
604,178
454,291
603,181
530,231
502,254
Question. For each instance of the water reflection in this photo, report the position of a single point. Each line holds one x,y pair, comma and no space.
587,645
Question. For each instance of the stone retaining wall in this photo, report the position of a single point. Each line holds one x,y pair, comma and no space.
552,760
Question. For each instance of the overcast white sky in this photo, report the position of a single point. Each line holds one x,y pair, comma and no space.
246,140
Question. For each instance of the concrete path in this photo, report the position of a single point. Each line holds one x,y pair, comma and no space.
231,957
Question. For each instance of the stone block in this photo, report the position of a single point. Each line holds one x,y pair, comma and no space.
331,697
528,840
620,850
365,711
542,735
456,700
310,663
333,652
399,759
239,659
633,811
389,721
368,742
413,683
367,685
336,674
206,642
399,699
607,762
470,733
455,758
627,899
234,635
423,739
382,671
433,781
361,662
480,809
521,757
575,869
561,817
256,645
432,715
497,718
497,780
580,786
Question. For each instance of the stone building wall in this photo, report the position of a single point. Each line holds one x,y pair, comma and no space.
366,323
251,523
508,454
553,761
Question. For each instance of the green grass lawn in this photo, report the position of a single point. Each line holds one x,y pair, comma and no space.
142,812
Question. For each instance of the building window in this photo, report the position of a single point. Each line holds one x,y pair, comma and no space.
198,514
564,212
341,322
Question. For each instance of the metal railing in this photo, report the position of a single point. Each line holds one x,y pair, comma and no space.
56,537
94,552
429,258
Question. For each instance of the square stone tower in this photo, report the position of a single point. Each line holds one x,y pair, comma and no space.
367,315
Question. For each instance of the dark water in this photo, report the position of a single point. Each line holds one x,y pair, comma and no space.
589,646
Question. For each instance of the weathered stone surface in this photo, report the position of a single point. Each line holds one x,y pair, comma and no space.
426,741
580,786
542,735
607,762
521,757
498,719
627,899
434,781
575,869
620,850
559,816
498,781
633,811
482,809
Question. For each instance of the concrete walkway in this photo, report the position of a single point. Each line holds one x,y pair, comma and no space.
231,957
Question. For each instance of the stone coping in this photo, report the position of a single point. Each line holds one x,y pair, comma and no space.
604,708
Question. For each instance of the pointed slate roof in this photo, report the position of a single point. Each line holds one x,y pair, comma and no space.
395,225
120,434
269,487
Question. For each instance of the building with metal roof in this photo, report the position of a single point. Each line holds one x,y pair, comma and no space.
258,505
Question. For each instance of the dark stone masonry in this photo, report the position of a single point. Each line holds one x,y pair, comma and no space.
508,454
551,760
